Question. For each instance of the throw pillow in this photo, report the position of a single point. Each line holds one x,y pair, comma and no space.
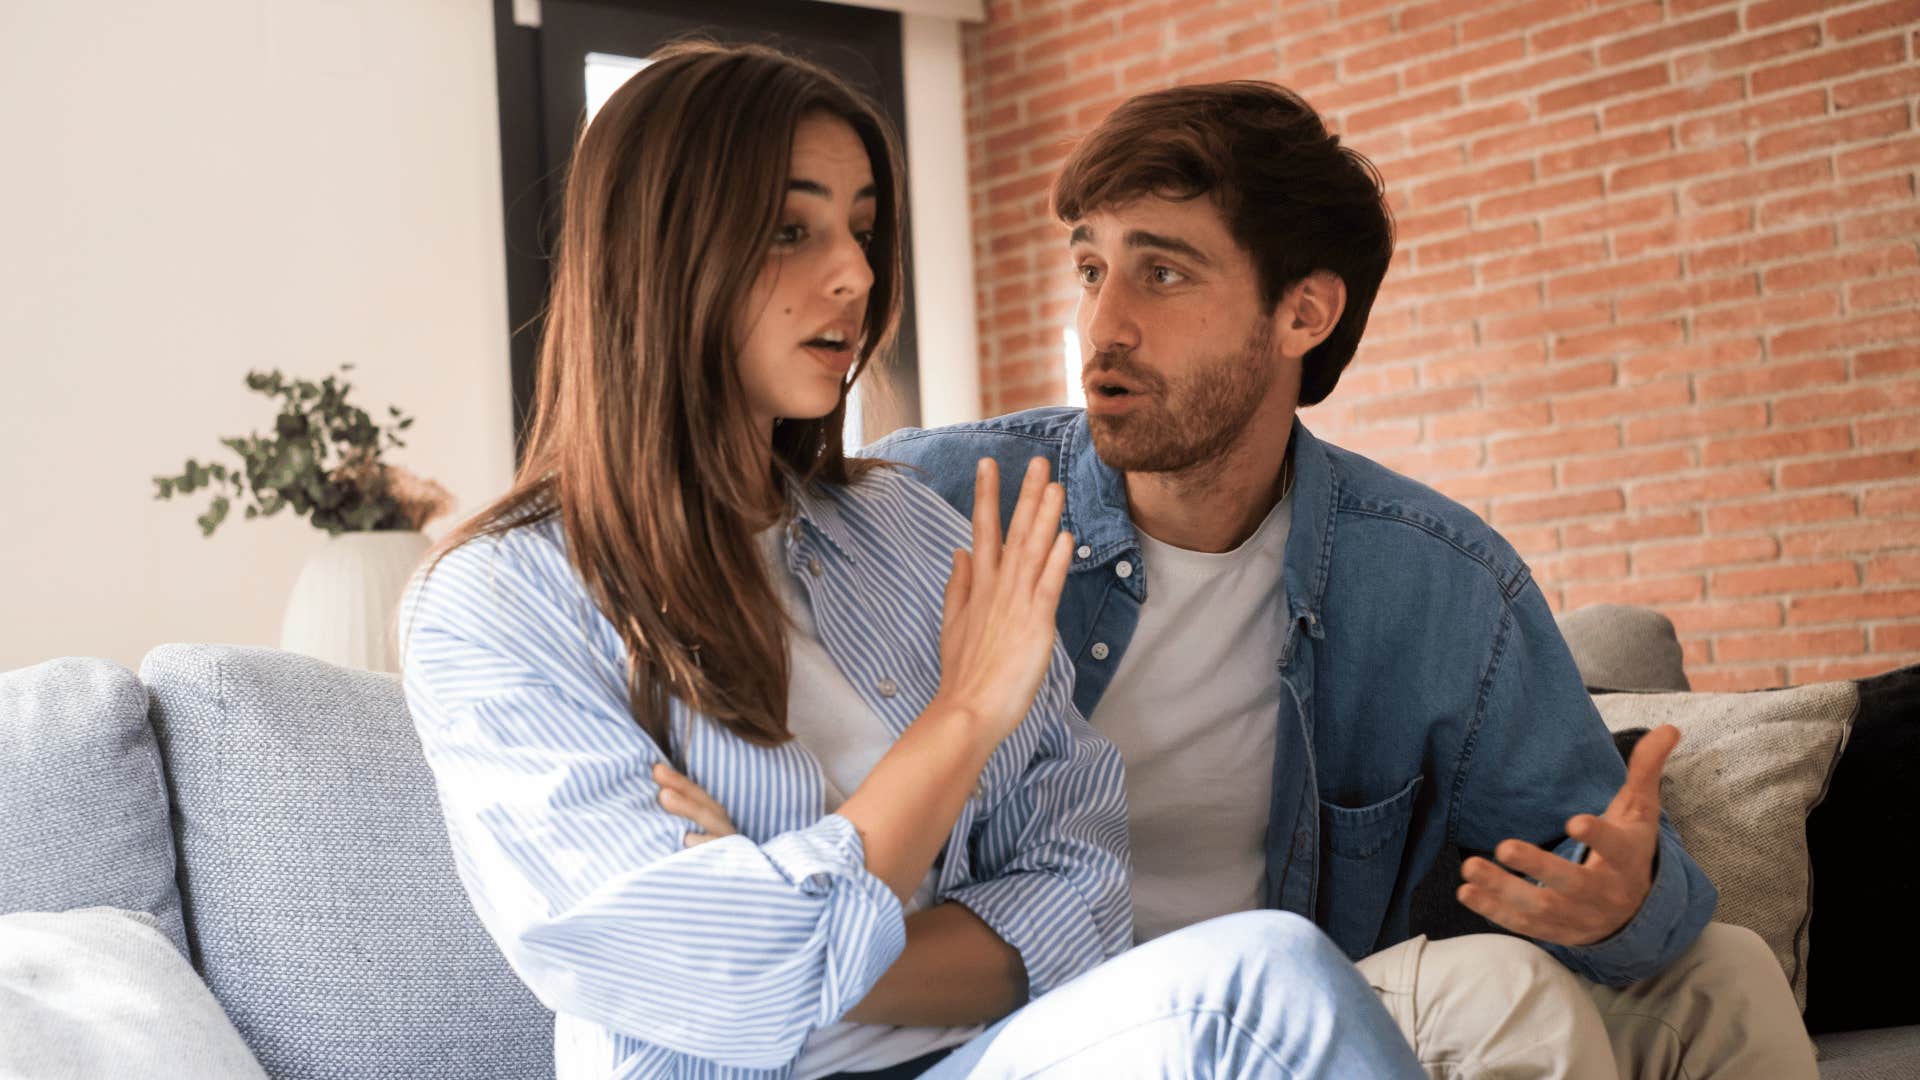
1748,770
83,809
102,992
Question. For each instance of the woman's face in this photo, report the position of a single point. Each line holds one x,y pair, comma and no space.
800,328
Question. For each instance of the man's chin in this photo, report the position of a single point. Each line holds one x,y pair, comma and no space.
1132,443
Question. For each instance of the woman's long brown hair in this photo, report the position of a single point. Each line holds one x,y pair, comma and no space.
642,441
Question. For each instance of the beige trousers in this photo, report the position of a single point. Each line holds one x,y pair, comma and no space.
1495,1007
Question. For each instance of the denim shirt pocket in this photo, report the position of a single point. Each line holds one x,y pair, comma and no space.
1361,848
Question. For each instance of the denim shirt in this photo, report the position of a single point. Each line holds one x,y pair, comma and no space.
1428,700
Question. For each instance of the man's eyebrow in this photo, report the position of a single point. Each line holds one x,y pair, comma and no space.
815,187
1140,238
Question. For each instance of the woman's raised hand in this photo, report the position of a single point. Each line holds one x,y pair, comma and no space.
997,631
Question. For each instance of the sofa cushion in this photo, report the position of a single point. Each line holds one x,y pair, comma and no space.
321,899
1738,789
1878,1054
1624,647
83,808
102,992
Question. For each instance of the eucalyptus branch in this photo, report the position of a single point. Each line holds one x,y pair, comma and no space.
323,459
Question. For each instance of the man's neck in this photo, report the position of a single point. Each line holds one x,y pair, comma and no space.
1216,505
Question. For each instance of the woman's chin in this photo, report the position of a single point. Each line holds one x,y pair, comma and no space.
800,412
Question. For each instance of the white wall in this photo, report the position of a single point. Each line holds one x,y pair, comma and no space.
194,188
945,312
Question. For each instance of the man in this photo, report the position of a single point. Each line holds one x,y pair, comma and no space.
1322,676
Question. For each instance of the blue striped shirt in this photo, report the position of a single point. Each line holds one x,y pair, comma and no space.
719,960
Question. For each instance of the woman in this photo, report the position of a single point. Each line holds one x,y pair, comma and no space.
691,607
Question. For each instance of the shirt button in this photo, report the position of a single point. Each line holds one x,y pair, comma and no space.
814,567
1123,568
1084,552
793,530
1099,650
976,792
887,687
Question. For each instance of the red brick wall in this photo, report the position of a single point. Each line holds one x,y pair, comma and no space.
1655,311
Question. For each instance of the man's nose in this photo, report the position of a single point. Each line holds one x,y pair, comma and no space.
1107,320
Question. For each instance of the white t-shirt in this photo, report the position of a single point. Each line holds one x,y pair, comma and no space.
1192,709
847,738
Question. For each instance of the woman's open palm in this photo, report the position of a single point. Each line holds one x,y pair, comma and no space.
997,630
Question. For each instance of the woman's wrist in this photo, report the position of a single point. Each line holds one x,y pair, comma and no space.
964,721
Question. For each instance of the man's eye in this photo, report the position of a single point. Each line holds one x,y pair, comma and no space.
789,235
1164,275
1088,273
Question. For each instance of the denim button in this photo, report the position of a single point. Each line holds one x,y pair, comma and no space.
1123,568
1084,552
1099,650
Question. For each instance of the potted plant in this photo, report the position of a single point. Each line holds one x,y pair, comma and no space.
324,459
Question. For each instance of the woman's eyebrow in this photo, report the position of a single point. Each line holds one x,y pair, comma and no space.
815,187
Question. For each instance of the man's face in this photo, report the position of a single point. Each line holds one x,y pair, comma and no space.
1178,348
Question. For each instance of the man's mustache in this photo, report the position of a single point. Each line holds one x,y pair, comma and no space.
1119,362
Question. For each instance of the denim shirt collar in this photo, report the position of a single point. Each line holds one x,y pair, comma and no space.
1096,515
1316,491
1096,510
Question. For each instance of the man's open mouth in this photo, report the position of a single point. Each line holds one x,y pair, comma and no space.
1108,386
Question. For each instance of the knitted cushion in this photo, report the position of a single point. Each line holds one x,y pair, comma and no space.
1622,647
1738,789
321,898
83,810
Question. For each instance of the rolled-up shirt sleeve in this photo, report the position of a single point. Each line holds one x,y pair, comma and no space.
732,951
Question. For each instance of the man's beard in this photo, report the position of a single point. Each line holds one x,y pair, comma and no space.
1187,421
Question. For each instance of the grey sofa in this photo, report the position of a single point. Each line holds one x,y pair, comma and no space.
274,813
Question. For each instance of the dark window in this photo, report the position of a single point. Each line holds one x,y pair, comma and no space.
544,73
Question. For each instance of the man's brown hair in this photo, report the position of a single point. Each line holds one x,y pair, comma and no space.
1294,198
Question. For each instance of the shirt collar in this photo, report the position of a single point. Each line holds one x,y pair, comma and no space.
1316,491
817,509
1096,510
1096,515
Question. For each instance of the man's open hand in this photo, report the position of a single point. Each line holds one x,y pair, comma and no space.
1580,903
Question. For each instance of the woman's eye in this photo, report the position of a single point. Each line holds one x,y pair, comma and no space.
789,235
864,238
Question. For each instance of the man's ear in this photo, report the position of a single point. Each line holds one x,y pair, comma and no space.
1310,310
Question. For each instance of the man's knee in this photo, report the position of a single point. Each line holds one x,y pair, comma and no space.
1497,967
1735,948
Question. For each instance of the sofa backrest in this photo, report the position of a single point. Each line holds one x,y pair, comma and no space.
83,809
321,900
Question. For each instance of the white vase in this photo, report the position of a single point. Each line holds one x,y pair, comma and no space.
343,605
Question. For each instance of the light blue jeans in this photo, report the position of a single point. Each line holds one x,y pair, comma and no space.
1257,994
